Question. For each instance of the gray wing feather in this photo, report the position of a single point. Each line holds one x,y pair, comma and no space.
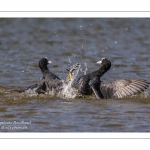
123,88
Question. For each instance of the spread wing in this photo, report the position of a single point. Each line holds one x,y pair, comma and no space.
123,88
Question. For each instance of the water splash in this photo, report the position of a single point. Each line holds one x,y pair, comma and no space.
75,73
69,60
68,91
146,94
31,92
84,71
85,68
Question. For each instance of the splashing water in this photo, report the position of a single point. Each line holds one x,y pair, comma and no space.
31,92
84,71
68,91
85,68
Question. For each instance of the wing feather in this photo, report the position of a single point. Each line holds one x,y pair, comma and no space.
128,92
123,88
118,94
136,86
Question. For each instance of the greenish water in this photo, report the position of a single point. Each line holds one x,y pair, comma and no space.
23,42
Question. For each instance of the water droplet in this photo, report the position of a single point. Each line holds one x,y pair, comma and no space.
69,60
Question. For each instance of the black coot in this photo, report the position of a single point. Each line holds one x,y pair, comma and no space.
49,81
91,83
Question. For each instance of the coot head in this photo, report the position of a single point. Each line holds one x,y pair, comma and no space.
103,61
43,63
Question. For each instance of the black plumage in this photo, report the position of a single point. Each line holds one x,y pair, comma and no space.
50,80
89,83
